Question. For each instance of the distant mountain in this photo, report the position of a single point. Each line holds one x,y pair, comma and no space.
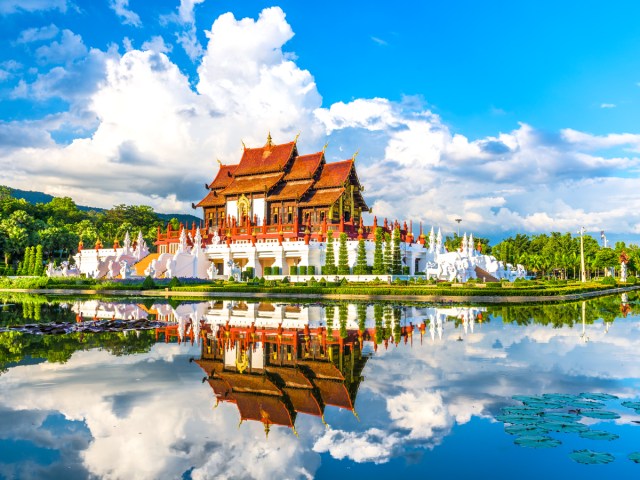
39,197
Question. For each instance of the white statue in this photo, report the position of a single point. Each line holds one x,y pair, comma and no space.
141,250
151,269
126,243
182,245
125,270
216,238
212,271
234,270
623,272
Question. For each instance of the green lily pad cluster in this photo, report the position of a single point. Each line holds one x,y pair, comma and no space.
538,416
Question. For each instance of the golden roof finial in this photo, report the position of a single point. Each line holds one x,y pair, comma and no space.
325,147
244,147
267,427
269,142
295,140
355,155
219,162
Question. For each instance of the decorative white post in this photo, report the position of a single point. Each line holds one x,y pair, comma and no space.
583,272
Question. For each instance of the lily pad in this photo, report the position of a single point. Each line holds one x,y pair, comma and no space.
564,427
599,435
634,457
518,419
634,405
544,404
560,397
598,396
537,441
589,457
599,414
526,398
560,417
586,404
521,410
525,430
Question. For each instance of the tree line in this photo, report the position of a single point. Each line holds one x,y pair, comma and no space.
558,255
31,234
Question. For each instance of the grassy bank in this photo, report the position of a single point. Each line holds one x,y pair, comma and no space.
534,288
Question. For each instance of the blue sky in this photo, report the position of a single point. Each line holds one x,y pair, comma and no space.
515,116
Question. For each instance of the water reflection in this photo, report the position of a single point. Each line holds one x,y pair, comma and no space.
415,374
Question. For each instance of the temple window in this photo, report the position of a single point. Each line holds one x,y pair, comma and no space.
289,214
322,216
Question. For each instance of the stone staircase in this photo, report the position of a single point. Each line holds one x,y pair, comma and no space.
142,265
483,274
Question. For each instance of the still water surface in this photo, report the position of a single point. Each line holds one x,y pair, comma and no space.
234,389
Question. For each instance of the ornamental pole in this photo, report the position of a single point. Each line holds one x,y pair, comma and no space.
583,272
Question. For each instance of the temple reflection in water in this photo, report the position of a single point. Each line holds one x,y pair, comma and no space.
277,360
274,361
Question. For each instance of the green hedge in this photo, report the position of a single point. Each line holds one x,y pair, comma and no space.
302,269
293,270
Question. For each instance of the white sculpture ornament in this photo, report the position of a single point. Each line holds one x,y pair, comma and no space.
623,272
212,271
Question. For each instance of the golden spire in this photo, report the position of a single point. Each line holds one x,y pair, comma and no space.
325,147
355,155
219,162
244,147
295,140
269,142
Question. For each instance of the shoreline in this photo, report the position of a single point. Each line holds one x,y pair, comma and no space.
508,299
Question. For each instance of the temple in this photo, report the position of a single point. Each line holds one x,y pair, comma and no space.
275,188
277,214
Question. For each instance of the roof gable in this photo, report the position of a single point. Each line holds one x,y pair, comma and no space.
334,174
305,166
267,159
224,177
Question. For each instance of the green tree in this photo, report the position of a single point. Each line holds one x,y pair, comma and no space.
32,261
361,267
606,258
39,269
396,262
378,258
329,258
388,254
343,256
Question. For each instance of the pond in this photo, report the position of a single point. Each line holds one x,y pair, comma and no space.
140,388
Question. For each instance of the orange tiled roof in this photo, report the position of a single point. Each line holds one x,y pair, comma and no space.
267,159
221,389
253,183
264,409
303,401
250,383
209,366
323,369
333,393
322,197
211,200
291,377
304,166
224,177
291,190
334,174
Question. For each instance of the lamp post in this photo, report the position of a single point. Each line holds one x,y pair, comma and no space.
583,273
458,220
